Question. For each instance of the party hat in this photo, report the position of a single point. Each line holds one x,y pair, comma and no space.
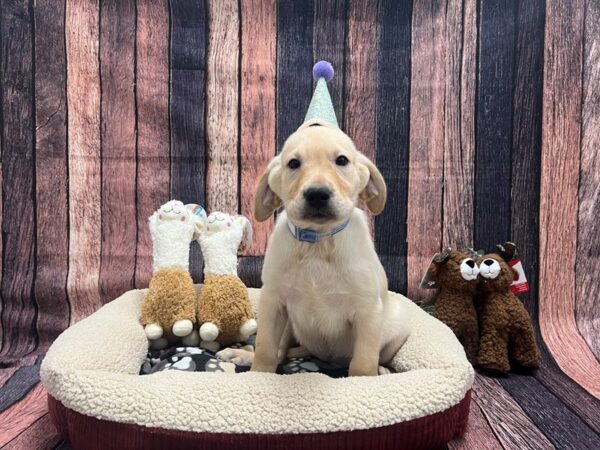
321,107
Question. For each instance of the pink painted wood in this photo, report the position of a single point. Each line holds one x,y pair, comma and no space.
257,107
83,99
426,158
222,106
558,193
152,96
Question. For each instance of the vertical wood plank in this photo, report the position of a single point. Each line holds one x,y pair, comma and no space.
329,31
187,109
526,138
527,130
250,270
83,106
257,134
494,123
18,165
118,136
393,106
294,65
587,286
459,123
222,106
152,98
361,75
426,156
52,256
361,78
558,194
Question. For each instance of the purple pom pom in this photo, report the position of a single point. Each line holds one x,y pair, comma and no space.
323,69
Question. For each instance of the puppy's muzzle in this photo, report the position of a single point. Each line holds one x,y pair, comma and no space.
317,200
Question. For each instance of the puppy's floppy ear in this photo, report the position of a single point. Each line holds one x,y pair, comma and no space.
266,201
373,189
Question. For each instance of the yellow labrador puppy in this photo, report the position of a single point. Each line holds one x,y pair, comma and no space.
323,284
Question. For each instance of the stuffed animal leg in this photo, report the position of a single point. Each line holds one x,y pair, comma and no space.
169,308
224,310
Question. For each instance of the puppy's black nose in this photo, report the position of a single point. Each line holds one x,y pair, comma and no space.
470,263
317,197
488,262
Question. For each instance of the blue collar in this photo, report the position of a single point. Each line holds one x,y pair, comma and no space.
312,236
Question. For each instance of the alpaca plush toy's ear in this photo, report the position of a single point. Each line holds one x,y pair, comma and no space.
247,234
198,217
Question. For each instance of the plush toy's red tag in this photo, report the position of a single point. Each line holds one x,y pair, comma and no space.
519,284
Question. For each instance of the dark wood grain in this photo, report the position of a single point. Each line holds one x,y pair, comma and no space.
19,384
329,32
152,99
294,65
527,136
118,136
527,129
83,106
512,426
561,130
581,402
222,120
494,122
426,155
187,109
257,109
459,123
478,434
587,287
557,421
41,434
393,62
250,269
360,82
19,335
52,234
17,418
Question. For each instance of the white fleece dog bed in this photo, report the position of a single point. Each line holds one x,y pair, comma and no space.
98,400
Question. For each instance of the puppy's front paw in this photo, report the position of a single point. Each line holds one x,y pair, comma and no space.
362,370
237,356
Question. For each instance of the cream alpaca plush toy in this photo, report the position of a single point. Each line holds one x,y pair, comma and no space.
224,310
169,307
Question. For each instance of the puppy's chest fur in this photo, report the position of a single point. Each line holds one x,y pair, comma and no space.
322,288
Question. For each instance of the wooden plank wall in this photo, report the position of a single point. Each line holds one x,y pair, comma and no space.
482,115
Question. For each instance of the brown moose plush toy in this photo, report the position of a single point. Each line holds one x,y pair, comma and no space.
455,274
505,326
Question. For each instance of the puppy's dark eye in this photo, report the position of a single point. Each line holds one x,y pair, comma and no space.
341,160
293,163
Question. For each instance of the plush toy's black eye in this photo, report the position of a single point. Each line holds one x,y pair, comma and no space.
341,160
293,163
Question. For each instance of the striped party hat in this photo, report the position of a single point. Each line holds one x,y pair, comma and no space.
321,107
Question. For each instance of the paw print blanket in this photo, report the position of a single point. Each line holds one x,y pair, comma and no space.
201,360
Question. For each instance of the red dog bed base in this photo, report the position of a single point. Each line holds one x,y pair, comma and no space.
423,433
